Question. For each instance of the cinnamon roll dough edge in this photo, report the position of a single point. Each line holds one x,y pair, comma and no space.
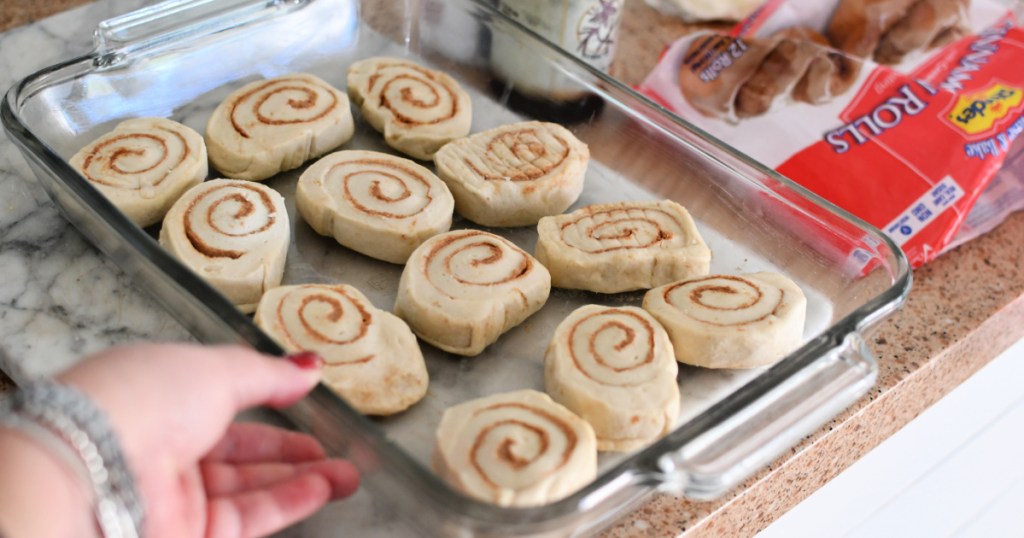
268,142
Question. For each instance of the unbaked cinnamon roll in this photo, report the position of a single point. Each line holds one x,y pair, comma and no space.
143,166
615,368
927,24
515,449
515,174
374,203
461,290
611,248
417,109
371,357
234,234
273,125
887,30
726,321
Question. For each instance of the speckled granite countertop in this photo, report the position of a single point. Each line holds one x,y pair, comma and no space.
965,308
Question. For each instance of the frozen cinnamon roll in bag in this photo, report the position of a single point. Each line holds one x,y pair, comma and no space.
741,76
734,78
899,111
715,67
887,30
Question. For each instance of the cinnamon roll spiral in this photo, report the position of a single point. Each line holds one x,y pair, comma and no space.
235,234
269,126
515,174
615,368
610,248
461,290
143,166
727,321
515,449
377,204
372,358
418,109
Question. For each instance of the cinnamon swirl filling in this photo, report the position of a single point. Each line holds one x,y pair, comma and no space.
371,358
611,248
731,321
613,347
412,94
725,300
615,368
136,160
318,317
529,445
417,109
515,449
520,155
281,101
622,229
223,214
378,204
233,233
462,290
381,188
466,260
143,166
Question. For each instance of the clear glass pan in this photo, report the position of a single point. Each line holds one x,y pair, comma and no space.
180,58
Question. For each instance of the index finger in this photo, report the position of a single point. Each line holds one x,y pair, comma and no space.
254,443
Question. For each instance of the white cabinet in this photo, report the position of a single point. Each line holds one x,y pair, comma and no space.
956,470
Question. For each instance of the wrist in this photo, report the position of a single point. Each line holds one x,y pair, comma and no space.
65,418
42,494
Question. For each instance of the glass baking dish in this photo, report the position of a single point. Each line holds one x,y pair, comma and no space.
179,59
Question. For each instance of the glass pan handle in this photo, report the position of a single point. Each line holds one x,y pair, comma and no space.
173,21
760,430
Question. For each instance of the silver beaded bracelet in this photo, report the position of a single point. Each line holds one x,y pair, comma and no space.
71,416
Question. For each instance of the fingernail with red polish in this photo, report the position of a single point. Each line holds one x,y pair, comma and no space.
307,360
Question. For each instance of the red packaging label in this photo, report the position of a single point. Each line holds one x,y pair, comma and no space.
907,150
914,152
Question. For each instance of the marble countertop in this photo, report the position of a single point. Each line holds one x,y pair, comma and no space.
60,298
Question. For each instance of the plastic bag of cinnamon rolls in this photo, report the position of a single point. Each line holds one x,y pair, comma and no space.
900,111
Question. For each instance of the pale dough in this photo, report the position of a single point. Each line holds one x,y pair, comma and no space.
417,109
731,321
515,174
143,166
234,234
372,358
374,203
625,246
615,368
515,449
461,290
273,125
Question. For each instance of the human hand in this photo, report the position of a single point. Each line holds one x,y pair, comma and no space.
198,474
